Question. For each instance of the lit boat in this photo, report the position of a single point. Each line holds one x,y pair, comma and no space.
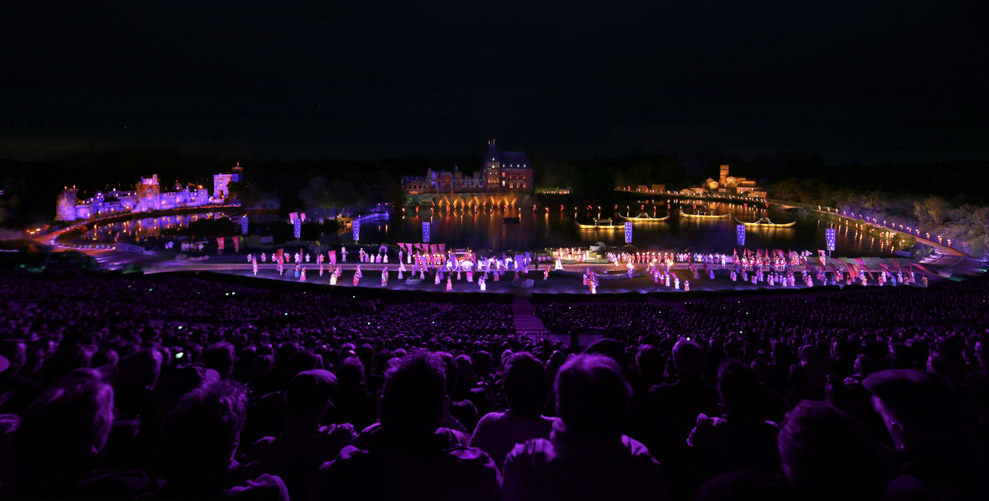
704,216
601,224
643,217
765,222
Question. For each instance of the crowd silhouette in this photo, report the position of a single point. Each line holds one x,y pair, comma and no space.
175,387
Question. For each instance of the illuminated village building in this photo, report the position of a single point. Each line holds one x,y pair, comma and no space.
730,185
146,197
504,171
645,188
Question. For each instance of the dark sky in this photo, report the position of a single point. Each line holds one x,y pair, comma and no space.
862,81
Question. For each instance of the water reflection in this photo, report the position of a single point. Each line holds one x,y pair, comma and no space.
140,229
485,229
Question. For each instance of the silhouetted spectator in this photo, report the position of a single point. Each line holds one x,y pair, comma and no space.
298,452
198,441
742,438
525,387
689,395
932,433
826,454
219,357
409,457
586,456
55,451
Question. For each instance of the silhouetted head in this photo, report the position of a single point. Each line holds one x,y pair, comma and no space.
200,435
740,391
526,385
62,430
414,399
610,348
826,454
864,365
350,373
649,360
309,392
926,420
138,376
688,357
592,396
482,362
15,351
219,357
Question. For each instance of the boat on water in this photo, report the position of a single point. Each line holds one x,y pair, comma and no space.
601,224
765,222
704,216
511,219
643,217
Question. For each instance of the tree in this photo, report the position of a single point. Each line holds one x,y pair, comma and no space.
242,191
317,193
932,209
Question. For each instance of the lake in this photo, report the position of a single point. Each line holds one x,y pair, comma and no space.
538,229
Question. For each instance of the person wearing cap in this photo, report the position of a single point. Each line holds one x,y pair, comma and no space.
296,454
586,455
932,434
410,456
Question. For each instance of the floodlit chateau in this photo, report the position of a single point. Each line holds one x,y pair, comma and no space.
146,197
503,171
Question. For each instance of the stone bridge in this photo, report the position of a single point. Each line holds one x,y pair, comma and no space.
472,200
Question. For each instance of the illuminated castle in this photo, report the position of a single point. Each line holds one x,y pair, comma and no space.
507,170
444,181
220,182
503,171
146,197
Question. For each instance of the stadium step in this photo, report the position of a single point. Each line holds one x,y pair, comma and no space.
526,321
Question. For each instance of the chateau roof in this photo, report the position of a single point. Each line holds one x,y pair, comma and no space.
514,158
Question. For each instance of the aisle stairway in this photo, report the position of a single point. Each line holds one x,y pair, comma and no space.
526,321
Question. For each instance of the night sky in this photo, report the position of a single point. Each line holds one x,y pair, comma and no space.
855,81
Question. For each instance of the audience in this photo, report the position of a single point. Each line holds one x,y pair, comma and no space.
129,386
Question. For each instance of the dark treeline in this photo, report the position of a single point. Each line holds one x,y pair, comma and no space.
30,188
